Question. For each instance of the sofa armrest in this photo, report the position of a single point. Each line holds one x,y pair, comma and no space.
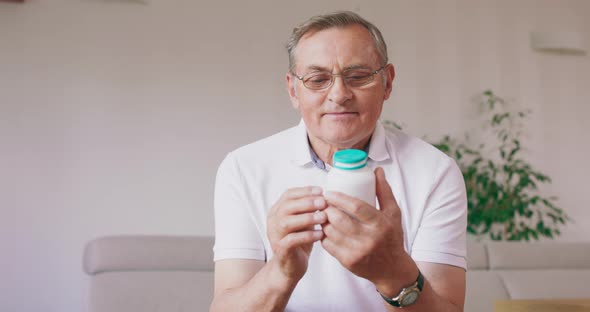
148,253
477,256
538,255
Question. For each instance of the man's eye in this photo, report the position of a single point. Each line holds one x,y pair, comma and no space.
318,79
357,76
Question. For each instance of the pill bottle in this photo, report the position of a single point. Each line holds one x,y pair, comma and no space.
351,175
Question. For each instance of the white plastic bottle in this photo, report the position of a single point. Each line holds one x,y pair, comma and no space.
351,175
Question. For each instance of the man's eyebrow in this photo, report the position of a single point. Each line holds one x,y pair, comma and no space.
312,68
355,66
317,68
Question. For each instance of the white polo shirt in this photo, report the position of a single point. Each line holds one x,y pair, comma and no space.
427,184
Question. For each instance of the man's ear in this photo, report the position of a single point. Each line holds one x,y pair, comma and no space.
389,72
292,89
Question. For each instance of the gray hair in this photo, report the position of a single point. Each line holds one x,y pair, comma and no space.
336,19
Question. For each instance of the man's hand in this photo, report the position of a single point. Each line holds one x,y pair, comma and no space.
290,229
367,241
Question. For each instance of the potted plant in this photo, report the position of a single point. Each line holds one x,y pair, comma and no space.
503,198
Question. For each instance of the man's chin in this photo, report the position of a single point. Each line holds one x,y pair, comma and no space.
343,140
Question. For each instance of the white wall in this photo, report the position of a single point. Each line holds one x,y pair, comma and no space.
114,116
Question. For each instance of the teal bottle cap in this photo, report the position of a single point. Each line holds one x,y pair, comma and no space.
350,159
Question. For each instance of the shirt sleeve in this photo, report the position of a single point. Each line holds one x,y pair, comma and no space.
236,234
441,237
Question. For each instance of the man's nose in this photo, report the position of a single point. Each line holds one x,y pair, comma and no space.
339,91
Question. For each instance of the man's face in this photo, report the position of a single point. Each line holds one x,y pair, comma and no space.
340,116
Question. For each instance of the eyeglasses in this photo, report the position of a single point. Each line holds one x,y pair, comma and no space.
355,77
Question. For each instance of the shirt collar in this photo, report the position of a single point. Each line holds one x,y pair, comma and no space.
303,154
378,149
315,159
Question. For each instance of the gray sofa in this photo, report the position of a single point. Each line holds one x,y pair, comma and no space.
175,274
547,270
149,273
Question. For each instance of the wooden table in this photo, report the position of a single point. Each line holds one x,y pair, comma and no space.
543,305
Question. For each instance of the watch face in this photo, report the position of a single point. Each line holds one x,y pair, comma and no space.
409,298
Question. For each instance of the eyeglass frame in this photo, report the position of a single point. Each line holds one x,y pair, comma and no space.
373,73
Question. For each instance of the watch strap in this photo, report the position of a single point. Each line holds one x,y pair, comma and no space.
420,281
395,301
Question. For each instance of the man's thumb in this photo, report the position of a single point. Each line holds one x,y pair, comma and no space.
384,194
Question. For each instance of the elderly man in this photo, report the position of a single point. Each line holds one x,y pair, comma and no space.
270,253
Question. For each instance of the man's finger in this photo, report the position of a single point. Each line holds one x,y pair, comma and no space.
300,238
294,194
299,192
295,223
341,220
302,205
356,208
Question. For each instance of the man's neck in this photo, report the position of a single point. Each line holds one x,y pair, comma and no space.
325,150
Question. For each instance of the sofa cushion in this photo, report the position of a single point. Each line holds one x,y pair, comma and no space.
546,284
539,255
483,289
143,252
151,291
477,258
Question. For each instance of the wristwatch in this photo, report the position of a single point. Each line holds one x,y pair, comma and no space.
408,295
